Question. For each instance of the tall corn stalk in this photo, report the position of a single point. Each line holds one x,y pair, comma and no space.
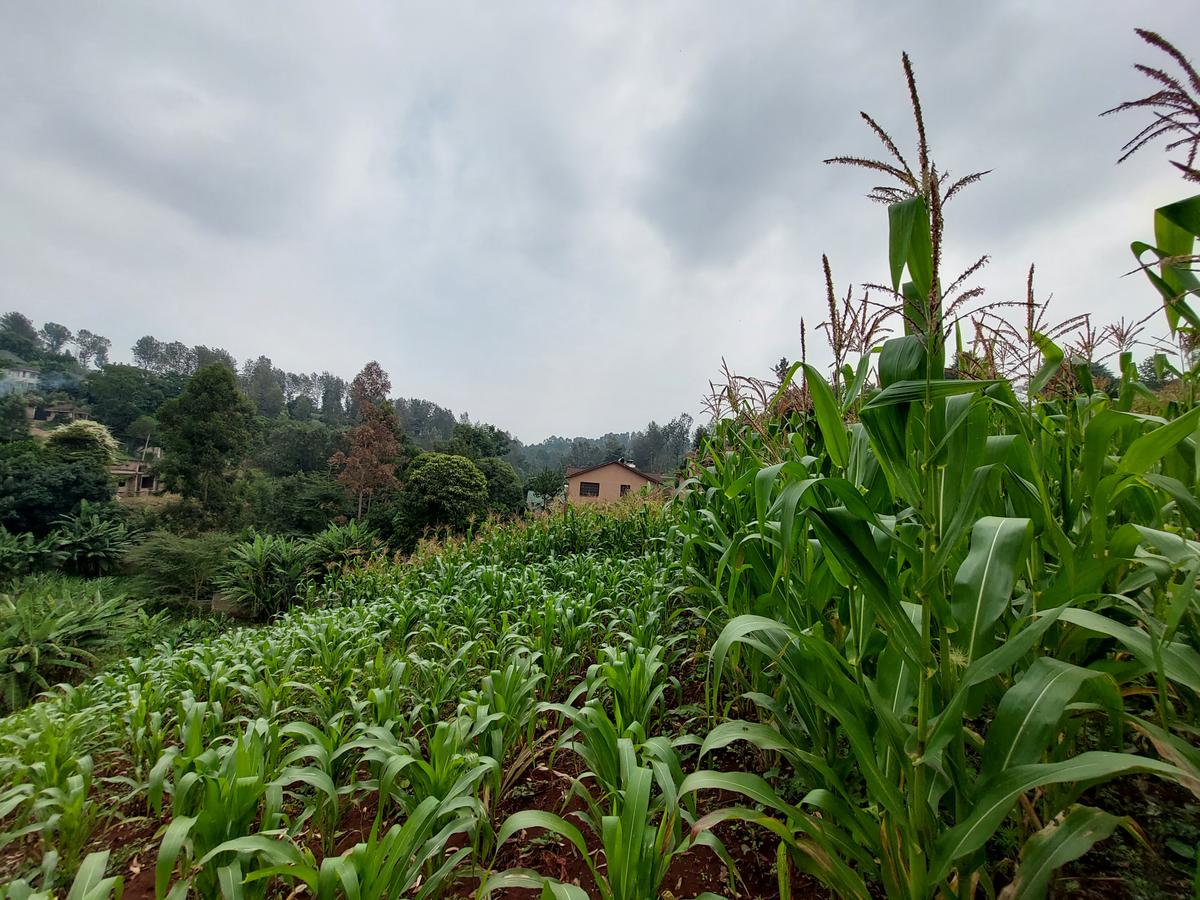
935,590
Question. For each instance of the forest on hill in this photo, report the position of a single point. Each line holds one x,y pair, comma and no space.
294,447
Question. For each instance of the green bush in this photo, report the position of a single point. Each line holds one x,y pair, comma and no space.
264,575
92,542
294,504
441,491
21,554
37,486
171,568
51,628
339,544
506,494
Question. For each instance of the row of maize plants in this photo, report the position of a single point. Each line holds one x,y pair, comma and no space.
419,697
951,605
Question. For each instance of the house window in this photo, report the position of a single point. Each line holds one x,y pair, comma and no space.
589,489
624,489
147,481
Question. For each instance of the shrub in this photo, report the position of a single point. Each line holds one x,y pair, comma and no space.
21,554
294,504
264,575
506,494
339,544
91,542
173,568
38,486
443,491
52,627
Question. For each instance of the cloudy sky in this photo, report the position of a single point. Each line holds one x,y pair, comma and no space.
559,217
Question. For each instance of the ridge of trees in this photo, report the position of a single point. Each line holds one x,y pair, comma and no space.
75,367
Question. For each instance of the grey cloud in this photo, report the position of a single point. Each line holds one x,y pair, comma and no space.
559,218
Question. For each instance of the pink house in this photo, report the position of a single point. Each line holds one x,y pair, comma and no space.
607,481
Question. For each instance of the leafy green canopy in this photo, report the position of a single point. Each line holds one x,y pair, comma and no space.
443,491
38,485
206,431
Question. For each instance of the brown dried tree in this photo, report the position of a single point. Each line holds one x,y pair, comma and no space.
370,466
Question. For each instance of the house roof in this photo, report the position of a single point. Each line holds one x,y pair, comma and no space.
656,479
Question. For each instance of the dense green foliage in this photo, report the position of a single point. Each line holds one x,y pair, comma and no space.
506,494
174,568
443,491
213,751
38,486
205,431
49,627
13,424
119,395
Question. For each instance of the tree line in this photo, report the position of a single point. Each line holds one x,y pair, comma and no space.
253,445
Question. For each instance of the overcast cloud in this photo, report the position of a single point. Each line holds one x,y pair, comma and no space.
558,217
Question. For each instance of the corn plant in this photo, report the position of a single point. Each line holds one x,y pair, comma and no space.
448,771
921,603
635,679
503,713
228,794
409,859
640,835
331,754
89,883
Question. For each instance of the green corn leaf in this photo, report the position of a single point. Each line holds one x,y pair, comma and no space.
812,842
903,358
1097,439
1173,284
829,417
905,392
746,784
1184,499
757,733
1177,225
527,879
90,883
901,217
949,721
1052,357
1028,716
314,778
230,879
983,586
277,852
1175,750
168,853
855,385
1181,663
536,818
1152,446
1068,837
997,797
909,244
